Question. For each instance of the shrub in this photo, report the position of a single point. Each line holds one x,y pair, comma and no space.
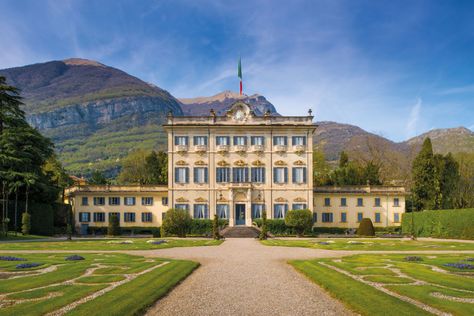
366,228
263,231
441,223
413,258
114,225
10,258
215,228
328,230
74,258
176,222
28,265
300,220
25,223
459,265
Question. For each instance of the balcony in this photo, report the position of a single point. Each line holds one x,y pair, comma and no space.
200,148
222,148
181,148
240,148
299,148
258,148
280,148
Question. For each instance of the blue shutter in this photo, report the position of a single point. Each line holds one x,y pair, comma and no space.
176,175
186,175
304,140
293,140
252,140
205,140
263,175
206,211
293,174
304,174
205,175
246,173
218,174
235,140
286,175
285,140
195,140
176,140
274,140
195,175
274,175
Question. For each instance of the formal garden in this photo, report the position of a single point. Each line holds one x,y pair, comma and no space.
389,284
59,284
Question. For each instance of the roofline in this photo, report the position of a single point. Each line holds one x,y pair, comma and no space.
129,188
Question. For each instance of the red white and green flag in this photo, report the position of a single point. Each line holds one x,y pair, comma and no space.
239,74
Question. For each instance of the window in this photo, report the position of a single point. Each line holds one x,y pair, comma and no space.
280,175
181,207
222,211
114,200
147,217
114,213
343,217
327,201
240,140
85,200
99,217
129,217
377,201
200,175
257,210
258,175
222,175
343,202
240,175
181,175
257,140
84,217
298,140
99,200
299,175
200,140
280,210
200,211
377,217
396,202
315,217
360,215
299,206
327,217
164,200
222,140
360,202
129,200
280,140
396,217
147,201
181,140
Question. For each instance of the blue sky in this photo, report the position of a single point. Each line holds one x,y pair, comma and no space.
396,68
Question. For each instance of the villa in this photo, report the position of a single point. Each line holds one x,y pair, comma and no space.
237,165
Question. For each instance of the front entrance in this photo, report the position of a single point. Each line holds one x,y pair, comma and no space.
239,214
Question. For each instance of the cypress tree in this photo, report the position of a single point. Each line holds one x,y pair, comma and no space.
425,180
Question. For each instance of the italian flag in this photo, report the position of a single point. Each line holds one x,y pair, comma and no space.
239,74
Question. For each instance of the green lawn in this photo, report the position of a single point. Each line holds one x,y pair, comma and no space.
19,236
370,244
446,289
108,244
58,283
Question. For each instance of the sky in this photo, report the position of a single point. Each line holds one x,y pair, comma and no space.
394,68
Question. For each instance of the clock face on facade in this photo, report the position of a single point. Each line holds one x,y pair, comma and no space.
239,115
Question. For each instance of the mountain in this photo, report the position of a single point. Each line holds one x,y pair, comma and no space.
221,102
95,114
447,140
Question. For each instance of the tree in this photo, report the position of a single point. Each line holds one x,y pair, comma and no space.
464,195
447,169
263,231
343,159
98,177
371,173
10,102
25,223
176,222
134,169
366,228
321,168
425,179
156,168
114,225
300,220
215,228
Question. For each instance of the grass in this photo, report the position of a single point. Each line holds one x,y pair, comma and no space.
19,236
67,283
370,244
107,244
359,294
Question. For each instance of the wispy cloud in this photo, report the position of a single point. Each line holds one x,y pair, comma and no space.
458,90
413,119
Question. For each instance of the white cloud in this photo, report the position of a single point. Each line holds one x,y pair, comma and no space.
458,90
413,121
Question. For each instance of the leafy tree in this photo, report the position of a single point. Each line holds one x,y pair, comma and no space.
134,168
425,179
176,222
156,168
98,177
343,159
10,102
371,173
321,169
464,195
300,220
448,172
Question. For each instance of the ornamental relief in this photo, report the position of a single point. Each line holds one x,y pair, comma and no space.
299,163
299,199
281,200
200,200
240,163
200,163
258,163
280,163
181,200
181,163
223,163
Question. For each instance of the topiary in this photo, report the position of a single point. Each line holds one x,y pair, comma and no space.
25,223
300,220
263,228
215,228
366,228
114,225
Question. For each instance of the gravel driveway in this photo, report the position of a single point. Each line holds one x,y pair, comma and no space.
243,277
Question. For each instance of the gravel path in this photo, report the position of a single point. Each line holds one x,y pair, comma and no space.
243,277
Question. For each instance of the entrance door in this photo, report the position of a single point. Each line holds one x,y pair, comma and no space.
84,229
239,214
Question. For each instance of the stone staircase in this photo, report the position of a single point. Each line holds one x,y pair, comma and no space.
240,232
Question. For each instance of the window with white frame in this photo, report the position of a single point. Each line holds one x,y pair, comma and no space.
147,200
240,175
181,207
360,216
99,200
181,175
280,175
343,217
129,217
240,140
327,217
200,140
298,206
222,140
280,140
257,140
298,140
181,140
279,210
377,217
164,200
147,217
129,200
222,175
201,211
396,202
222,211
299,175
257,175
200,175
114,200
257,210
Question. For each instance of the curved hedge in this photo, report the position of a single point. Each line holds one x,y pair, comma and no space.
441,223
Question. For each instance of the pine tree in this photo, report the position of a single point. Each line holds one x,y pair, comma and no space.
10,102
425,179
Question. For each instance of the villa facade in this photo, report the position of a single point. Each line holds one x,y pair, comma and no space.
236,166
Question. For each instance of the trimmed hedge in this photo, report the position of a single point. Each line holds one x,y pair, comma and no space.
366,228
203,227
441,223
138,230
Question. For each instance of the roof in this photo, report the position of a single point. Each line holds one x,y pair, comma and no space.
115,188
359,189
